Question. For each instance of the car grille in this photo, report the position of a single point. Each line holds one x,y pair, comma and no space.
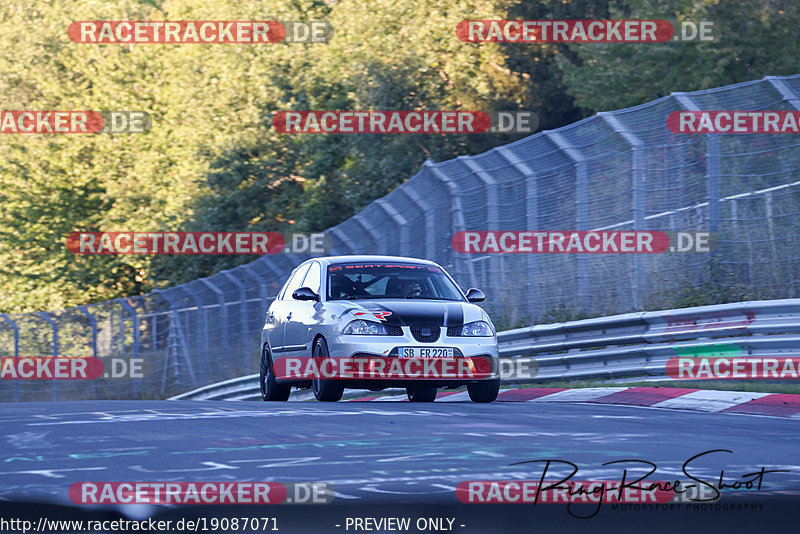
425,333
393,330
454,331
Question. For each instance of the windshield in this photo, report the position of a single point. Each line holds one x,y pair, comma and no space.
353,281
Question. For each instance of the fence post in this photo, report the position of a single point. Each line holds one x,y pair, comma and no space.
492,222
581,210
430,225
712,176
244,324
223,310
532,215
785,90
638,200
458,216
402,226
176,342
339,244
201,312
15,328
369,229
135,325
93,323
52,323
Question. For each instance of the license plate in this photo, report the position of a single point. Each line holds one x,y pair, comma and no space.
427,352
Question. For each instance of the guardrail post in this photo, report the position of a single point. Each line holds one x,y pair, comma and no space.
93,323
15,329
54,325
532,215
581,210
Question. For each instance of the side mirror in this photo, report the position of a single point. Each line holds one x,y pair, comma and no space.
304,293
475,295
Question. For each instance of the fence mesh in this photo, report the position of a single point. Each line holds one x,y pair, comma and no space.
621,170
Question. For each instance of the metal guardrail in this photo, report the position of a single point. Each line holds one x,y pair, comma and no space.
619,346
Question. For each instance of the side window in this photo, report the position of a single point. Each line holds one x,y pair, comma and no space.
294,283
311,280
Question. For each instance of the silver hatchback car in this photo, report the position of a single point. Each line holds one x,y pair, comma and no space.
373,322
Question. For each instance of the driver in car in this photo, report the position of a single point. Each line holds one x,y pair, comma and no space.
410,288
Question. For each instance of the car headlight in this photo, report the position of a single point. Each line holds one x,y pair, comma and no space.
361,327
477,329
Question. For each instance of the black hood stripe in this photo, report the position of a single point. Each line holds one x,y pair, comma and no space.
407,312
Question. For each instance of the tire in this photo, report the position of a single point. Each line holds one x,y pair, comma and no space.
485,391
325,390
421,394
270,389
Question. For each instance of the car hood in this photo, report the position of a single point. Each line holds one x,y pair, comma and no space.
403,312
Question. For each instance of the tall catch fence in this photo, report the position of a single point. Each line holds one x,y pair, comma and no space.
620,170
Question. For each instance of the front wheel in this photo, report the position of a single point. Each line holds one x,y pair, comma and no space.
421,394
485,391
270,389
325,390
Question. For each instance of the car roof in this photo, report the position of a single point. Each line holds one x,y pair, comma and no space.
328,260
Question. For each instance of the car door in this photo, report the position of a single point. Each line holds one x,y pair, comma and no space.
298,326
281,310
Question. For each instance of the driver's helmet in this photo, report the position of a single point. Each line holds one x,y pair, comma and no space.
341,286
410,288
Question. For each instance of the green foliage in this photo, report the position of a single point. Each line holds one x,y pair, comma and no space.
212,160
756,38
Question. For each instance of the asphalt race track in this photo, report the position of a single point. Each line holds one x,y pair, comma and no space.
396,458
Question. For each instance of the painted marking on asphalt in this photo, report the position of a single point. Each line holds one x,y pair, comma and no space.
51,473
578,395
709,400
775,404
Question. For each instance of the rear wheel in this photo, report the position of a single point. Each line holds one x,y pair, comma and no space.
485,391
325,390
421,394
270,389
